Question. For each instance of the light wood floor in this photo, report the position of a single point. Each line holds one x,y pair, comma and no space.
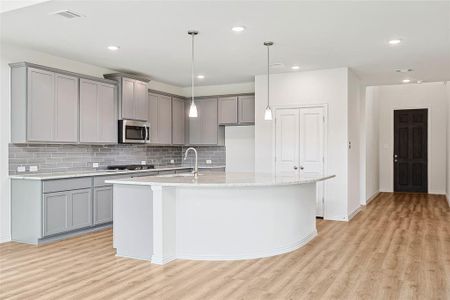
398,247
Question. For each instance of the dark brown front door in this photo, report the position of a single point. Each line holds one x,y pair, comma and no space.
410,150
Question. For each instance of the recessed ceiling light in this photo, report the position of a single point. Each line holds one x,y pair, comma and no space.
295,67
419,81
201,76
113,48
406,80
395,41
403,70
238,28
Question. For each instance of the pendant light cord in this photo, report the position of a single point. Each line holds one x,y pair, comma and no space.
268,70
192,69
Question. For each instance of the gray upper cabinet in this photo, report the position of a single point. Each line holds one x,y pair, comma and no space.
160,118
178,121
228,110
246,110
46,108
204,130
66,108
98,114
133,96
47,102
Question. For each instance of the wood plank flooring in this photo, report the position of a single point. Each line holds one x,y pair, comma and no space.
398,247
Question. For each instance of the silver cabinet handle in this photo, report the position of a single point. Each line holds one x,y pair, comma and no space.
301,167
295,167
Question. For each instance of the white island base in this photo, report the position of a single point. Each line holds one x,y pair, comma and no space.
211,222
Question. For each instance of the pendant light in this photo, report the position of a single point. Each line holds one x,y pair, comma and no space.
268,112
193,108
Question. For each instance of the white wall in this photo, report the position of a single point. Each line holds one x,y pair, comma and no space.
353,127
405,96
240,145
209,90
370,134
448,141
301,88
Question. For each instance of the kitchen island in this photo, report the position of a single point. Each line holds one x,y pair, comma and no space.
217,216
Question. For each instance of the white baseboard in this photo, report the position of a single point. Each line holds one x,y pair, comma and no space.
267,253
354,213
372,197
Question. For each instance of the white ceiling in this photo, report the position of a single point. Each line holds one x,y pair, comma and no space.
315,35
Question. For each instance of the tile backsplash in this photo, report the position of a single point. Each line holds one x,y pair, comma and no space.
51,158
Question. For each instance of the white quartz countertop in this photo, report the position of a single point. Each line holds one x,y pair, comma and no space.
75,174
221,179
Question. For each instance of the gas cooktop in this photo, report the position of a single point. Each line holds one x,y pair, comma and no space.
131,167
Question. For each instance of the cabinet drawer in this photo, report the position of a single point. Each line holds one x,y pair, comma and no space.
59,185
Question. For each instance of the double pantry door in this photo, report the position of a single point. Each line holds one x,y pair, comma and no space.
300,145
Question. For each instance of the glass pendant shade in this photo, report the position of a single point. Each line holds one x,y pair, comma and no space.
268,114
193,110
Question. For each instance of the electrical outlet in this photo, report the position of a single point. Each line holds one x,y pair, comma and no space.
95,165
172,161
208,162
33,168
21,169
143,162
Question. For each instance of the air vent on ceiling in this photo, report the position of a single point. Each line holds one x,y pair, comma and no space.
67,14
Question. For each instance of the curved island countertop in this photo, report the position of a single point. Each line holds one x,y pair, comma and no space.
222,179
217,216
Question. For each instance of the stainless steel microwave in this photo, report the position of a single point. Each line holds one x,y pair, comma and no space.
134,132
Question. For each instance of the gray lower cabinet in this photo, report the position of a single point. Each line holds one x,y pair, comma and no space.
204,130
103,205
178,121
160,118
98,113
65,211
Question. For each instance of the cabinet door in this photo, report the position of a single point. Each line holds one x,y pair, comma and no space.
103,205
140,101
88,111
246,109
153,117
164,120
127,98
79,213
228,110
41,105
208,109
178,120
107,114
66,100
195,125
55,207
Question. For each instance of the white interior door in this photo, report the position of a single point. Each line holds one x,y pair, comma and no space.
287,141
312,126
300,145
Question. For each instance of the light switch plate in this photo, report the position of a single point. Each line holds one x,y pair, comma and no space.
21,169
172,161
143,162
95,165
33,168
208,162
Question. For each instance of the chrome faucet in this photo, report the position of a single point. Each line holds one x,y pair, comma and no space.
196,160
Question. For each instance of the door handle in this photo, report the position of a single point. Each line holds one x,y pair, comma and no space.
301,167
295,167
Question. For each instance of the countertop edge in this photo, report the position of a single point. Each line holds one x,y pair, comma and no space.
100,173
200,185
